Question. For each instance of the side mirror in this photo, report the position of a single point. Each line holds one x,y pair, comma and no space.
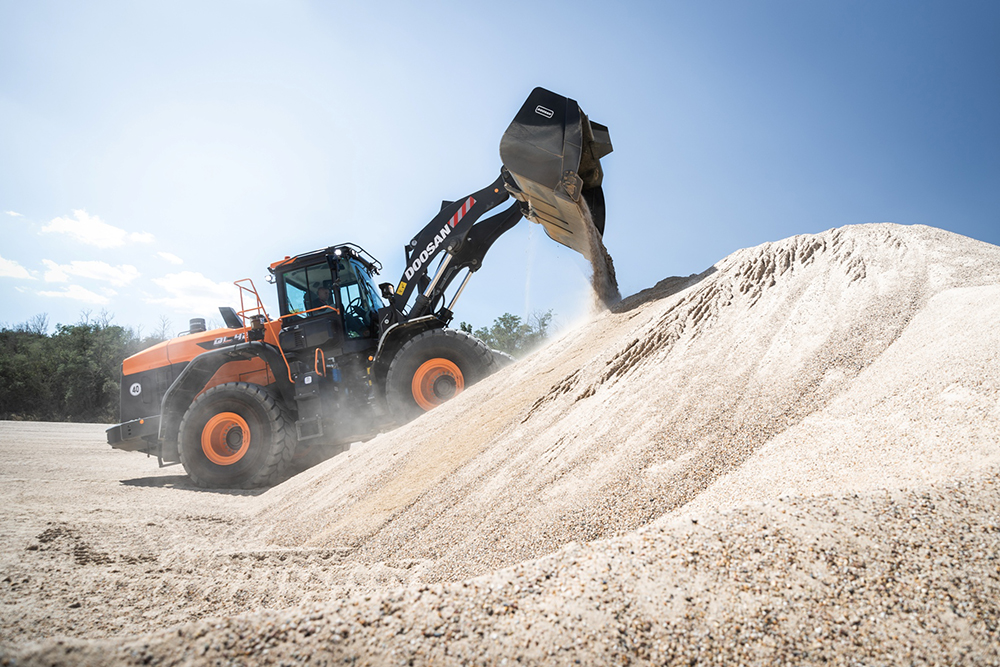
388,290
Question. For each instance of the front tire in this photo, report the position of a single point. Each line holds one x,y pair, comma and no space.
236,435
432,368
502,359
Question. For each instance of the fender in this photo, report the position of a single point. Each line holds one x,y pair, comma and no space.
192,380
393,339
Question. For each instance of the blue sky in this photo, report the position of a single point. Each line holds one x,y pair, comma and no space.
152,153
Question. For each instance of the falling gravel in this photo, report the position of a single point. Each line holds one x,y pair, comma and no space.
603,280
790,458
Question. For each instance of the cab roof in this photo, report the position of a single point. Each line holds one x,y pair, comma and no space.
351,250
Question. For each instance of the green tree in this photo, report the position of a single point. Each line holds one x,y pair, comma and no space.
512,335
71,375
26,374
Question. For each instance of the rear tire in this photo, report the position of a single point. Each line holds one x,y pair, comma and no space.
432,368
236,435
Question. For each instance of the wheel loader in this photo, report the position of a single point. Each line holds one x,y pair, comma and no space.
347,358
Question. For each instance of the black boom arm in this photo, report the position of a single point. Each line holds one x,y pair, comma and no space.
453,231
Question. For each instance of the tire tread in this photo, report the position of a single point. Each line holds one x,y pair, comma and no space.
281,450
480,352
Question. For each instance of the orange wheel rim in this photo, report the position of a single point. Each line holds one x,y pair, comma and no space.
225,438
436,381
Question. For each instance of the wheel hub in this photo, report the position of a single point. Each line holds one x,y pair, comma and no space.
234,438
225,439
445,387
436,381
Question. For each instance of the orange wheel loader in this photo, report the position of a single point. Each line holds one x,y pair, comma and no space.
347,358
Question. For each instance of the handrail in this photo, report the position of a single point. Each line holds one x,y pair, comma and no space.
259,310
256,310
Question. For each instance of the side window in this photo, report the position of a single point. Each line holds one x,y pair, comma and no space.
295,297
308,288
296,290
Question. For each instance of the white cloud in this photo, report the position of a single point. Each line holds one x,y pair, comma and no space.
173,259
91,230
116,275
14,214
194,294
11,269
54,272
78,293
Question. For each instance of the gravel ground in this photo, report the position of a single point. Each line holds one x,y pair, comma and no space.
885,579
791,457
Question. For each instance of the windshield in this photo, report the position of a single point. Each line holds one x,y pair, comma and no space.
361,301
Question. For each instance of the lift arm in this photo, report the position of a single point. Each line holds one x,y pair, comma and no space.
460,240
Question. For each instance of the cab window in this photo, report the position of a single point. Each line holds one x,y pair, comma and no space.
307,288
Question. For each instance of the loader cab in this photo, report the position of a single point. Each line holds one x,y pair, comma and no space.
336,283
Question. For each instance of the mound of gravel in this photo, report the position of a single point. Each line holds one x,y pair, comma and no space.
791,457
860,358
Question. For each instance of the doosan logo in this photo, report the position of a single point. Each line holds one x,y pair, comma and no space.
428,251
543,111
432,247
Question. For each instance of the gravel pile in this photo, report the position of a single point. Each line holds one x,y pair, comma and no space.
791,457
862,358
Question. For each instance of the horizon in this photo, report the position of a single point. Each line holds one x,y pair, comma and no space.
154,154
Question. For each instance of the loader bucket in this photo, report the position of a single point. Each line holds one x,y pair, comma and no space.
552,158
